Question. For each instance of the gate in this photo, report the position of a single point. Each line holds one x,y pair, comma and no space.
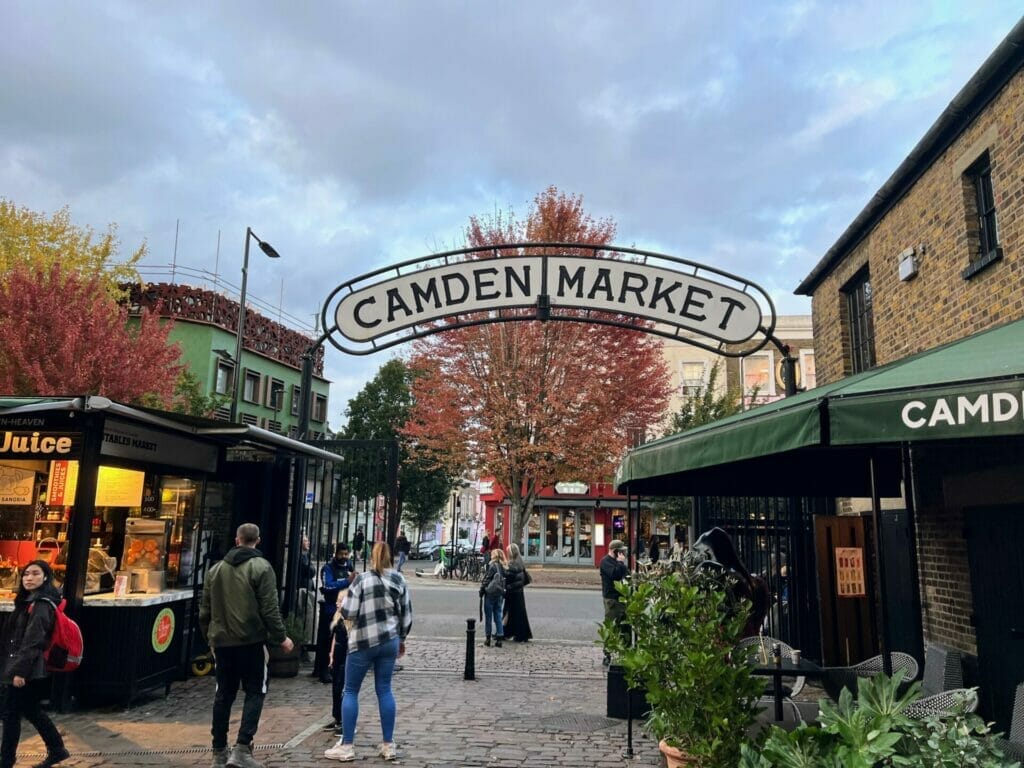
774,538
358,491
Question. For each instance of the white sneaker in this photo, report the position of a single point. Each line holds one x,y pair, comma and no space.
386,749
341,752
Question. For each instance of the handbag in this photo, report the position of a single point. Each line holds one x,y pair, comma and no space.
496,586
527,578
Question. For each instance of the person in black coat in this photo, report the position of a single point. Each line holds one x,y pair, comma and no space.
718,551
22,668
517,622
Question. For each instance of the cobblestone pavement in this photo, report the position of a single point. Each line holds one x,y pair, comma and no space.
535,704
550,576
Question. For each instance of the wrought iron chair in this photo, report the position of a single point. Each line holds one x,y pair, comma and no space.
943,669
1014,744
752,646
944,704
837,678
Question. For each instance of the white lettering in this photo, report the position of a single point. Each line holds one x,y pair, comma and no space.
965,408
11,442
1004,406
916,405
942,412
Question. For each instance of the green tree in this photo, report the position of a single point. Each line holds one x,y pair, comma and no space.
189,397
36,242
702,406
378,412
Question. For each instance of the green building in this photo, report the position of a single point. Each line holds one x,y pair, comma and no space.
204,325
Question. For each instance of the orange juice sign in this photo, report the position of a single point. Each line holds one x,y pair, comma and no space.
163,630
850,572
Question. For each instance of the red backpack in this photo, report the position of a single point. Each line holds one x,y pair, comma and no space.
64,653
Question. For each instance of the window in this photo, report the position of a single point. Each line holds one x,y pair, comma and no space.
296,396
275,394
757,375
691,377
810,379
251,387
861,322
982,227
225,378
319,408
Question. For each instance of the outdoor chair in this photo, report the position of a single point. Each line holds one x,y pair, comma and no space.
943,669
752,647
1013,745
944,704
837,678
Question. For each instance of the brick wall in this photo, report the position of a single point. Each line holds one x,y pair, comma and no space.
939,304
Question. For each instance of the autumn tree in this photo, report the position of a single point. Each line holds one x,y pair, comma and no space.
62,333
37,242
530,402
378,412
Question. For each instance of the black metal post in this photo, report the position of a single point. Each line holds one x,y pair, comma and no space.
883,612
470,671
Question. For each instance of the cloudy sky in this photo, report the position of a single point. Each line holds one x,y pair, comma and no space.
351,135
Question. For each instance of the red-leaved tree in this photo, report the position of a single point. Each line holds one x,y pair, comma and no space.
533,403
62,334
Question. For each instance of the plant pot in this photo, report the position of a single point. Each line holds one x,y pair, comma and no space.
282,664
674,758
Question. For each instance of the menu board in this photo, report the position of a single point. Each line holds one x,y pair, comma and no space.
115,487
850,572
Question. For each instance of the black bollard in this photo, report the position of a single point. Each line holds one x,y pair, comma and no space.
470,673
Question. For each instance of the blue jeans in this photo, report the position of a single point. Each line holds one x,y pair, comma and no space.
401,561
492,612
382,658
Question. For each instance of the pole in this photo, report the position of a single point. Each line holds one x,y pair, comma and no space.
240,336
883,612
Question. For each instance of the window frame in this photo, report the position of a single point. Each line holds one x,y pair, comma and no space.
860,325
806,382
275,385
768,391
296,398
229,367
319,408
686,383
982,218
251,375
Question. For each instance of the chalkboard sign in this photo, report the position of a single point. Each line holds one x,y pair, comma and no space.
150,499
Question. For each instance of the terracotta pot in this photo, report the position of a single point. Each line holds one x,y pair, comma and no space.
674,758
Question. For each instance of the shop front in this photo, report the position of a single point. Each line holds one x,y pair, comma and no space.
129,508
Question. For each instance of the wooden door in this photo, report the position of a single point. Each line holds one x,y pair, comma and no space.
847,622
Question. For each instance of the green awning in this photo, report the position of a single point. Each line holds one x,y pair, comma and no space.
823,438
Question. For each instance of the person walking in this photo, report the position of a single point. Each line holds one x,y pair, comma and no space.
380,609
336,663
334,577
358,541
613,569
402,549
492,590
517,623
239,616
22,668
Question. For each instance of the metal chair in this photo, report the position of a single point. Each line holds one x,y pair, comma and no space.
837,678
944,704
752,647
1014,745
943,669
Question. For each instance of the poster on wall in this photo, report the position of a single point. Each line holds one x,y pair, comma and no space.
16,485
850,572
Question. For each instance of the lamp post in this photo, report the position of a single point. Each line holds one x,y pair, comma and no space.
268,249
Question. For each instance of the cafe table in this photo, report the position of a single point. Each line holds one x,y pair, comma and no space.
777,670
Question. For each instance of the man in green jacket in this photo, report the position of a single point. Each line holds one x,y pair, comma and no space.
239,616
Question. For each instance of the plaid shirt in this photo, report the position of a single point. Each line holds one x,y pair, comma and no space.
380,608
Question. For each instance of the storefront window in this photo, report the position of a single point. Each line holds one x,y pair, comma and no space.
586,535
551,534
568,534
533,535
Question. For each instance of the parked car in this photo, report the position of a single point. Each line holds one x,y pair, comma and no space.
432,549
425,550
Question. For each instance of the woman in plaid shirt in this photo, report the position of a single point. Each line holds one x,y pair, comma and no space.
379,607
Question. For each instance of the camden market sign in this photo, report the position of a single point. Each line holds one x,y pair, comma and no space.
624,287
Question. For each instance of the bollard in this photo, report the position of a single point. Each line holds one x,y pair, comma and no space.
470,673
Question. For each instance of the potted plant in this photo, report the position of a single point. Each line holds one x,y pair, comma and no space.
286,663
872,730
686,625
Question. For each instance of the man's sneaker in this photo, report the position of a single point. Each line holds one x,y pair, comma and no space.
386,749
53,758
332,726
341,752
220,757
241,757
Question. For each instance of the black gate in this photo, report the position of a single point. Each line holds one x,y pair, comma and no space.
774,538
358,491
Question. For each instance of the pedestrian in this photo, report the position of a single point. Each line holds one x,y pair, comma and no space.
334,577
655,551
380,609
239,617
485,545
494,545
339,653
517,623
402,549
492,590
613,569
22,668
358,541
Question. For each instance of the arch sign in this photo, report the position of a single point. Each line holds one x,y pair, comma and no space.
624,287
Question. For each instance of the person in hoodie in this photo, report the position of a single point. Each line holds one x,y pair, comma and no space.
26,635
239,617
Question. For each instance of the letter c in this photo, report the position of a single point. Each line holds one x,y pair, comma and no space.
913,423
359,306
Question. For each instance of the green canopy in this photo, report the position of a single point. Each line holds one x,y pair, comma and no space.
819,441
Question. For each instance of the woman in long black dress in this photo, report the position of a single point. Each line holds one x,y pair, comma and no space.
517,623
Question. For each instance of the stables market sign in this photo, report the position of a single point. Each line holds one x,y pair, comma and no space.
624,287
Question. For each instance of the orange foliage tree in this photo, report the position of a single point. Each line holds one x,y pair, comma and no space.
61,333
533,403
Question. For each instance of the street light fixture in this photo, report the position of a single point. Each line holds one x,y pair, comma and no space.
268,249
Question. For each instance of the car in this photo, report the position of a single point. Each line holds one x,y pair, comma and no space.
425,550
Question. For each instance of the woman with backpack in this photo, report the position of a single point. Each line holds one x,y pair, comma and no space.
492,590
22,666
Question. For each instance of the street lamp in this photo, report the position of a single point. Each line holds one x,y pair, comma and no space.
268,249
